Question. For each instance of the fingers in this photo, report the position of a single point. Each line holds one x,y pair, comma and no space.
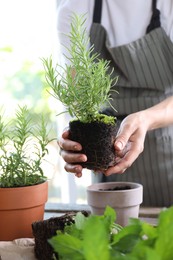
121,142
126,158
76,169
73,162
123,136
132,126
67,151
73,158
68,145
121,153
129,143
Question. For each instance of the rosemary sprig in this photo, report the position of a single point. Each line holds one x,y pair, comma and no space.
84,84
23,146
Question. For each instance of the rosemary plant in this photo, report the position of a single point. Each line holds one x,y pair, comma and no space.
84,84
22,148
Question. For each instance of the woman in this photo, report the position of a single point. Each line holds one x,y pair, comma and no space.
136,36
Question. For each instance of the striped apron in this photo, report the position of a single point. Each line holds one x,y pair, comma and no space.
145,70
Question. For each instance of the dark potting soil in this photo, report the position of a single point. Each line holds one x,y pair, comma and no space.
117,188
46,229
97,140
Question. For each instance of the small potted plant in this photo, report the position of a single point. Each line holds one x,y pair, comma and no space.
84,87
23,186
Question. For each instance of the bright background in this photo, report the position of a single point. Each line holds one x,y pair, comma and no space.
28,33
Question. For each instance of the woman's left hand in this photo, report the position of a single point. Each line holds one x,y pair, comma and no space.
129,142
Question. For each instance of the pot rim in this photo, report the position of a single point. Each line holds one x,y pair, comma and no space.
115,198
105,185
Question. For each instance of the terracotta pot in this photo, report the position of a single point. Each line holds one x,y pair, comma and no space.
126,202
19,208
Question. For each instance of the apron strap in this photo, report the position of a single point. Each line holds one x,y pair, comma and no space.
97,11
154,22
155,19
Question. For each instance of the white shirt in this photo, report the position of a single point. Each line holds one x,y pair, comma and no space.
128,19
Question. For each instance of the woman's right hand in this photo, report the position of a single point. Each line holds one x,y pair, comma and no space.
72,159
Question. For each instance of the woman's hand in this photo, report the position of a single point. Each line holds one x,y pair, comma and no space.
129,142
129,145
68,149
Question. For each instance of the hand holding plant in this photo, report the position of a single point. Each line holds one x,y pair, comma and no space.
84,87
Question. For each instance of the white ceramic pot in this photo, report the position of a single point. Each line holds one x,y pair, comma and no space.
126,202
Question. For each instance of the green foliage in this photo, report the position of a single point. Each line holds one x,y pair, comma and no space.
84,84
88,238
98,237
23,145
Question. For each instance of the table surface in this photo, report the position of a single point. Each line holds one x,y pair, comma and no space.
148,214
